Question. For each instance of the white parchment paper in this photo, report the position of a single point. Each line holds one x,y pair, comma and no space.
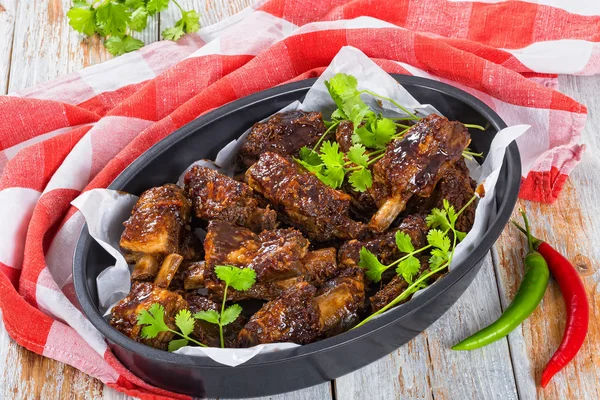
106,210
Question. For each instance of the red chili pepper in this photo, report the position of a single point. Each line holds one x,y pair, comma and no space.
574,295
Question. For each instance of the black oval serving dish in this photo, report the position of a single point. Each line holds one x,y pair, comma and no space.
327,359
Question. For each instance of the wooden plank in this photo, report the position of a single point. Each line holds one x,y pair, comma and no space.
7,25
46,47
572,225
427,367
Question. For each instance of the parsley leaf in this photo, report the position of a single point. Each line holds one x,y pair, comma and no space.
113,18
230,314
83,20
238,278
155,6
373,268
408,268
120,45
404,242
361,179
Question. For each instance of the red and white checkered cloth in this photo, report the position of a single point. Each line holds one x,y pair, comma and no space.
79,132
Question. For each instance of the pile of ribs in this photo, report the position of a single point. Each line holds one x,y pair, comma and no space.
301,237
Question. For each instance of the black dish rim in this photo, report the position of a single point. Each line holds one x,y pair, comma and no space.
512,165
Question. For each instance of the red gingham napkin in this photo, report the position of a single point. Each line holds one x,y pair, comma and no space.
79,132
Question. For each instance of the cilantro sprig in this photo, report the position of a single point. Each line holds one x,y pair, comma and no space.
441,246
153,320
115,20
240,279
371,134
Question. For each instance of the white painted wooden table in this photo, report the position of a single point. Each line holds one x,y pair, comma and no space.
36,44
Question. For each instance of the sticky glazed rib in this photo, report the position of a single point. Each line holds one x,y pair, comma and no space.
158,223
384,245
302,314
458,188
340,300
307,203
208,333
413,166
141,297
284,133
274,255
216,196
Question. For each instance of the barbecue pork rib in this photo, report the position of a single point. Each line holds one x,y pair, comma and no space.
216,196
302,314
304,201
141,297
414,165
284,133
458,188
384,245
158,224
292,317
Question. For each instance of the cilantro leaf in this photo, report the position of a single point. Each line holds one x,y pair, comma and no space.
113,18
173,33
190,21
361,179
120,45
139,19
331,155
373,268
437,219
376,133
343,89
135,3
439,239
408,268
82,20
238,278
404,242
211,316
357,155
230,314
310,157
81,4
154,6
154,319
176,344
338,115
460,235
332,176
383,130
435,262
451,212
184,321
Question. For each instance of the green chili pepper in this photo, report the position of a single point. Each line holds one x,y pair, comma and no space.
526,300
